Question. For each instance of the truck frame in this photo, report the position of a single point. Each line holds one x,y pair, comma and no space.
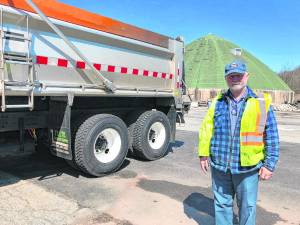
89,91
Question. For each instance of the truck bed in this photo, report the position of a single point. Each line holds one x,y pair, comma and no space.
137,62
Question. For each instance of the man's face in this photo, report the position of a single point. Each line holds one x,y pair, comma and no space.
237,81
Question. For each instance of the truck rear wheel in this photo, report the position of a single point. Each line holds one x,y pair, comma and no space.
151,135
131,121
75,126
101,144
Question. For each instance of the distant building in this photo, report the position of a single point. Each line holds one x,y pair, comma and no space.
236,51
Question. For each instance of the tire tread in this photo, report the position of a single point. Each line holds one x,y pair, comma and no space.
137,139
81,135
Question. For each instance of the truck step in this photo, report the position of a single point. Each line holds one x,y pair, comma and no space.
18,106
16,36
18,88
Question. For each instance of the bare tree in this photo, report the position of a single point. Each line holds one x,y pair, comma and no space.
291,78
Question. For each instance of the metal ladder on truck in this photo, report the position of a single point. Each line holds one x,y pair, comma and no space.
14,58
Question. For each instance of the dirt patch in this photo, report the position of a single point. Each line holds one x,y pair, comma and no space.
103,218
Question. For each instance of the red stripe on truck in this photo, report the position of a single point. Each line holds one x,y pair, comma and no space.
124,70
42,60
97,66
80,65
51,61
111,69
135,72
146,73
62,62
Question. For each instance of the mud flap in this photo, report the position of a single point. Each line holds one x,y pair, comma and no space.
172,118
60,128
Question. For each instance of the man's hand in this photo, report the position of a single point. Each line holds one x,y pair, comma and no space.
265,174
204,163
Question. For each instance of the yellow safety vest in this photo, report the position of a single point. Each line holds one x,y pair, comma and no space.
251,133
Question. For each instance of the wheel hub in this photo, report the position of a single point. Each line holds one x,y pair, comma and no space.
107,145
156,135
101,144
152,135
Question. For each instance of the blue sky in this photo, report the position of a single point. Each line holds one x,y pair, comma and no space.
269,29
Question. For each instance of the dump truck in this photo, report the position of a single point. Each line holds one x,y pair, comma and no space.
87,87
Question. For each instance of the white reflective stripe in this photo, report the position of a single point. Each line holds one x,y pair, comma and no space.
252,138
117,69
260,95
112,68
52,61
263,111
104,67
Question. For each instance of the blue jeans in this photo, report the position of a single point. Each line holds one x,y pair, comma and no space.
225,186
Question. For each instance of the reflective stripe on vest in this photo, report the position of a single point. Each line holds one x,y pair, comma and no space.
255,137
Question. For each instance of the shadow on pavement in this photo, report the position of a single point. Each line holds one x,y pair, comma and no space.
196,206
198,201
40,165
177,144
171,149
199,208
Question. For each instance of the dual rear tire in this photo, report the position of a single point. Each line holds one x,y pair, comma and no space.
102,141
101,144
151,135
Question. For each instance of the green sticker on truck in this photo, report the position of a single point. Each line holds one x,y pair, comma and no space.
60,141
61,136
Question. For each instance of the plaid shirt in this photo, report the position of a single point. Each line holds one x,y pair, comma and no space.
225,148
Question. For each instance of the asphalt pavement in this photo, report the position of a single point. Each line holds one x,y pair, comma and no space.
42,189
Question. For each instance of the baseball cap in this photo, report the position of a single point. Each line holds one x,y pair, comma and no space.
235,67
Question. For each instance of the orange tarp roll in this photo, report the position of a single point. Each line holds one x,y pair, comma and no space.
67,13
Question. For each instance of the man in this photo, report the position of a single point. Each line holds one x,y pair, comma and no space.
239,139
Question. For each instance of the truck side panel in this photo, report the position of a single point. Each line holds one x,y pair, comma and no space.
130,66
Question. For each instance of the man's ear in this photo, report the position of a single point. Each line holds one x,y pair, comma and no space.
246,75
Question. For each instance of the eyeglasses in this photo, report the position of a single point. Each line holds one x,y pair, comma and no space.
236,76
